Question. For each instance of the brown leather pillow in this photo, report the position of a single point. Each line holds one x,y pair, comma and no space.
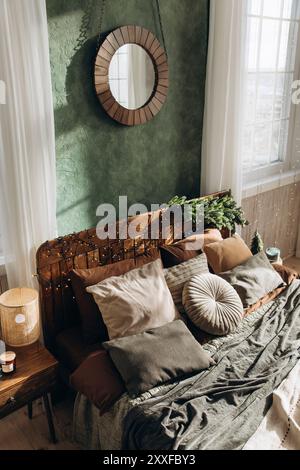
265,300
98,379
173,255
179,252
288,275
227,254
93,327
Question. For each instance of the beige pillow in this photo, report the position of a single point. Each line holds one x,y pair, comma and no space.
135,302
226,255
177,276
212,304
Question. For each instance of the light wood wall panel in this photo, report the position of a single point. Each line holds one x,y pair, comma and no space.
276,215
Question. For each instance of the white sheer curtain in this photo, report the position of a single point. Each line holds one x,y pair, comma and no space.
27,143
221,157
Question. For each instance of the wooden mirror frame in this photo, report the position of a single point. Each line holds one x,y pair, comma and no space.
144,38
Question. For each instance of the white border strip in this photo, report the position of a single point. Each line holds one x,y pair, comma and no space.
271,183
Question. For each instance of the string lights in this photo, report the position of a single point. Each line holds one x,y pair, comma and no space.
68,250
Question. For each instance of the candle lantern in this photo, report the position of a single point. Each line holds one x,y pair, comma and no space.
19,315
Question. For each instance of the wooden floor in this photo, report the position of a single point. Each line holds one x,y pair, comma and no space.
17,432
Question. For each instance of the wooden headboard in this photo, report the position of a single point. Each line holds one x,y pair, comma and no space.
55,260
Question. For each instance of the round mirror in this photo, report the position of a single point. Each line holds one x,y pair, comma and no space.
131,76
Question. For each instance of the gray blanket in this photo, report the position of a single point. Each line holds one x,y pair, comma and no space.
221,408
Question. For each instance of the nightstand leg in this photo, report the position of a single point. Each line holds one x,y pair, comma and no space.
49,419
29,407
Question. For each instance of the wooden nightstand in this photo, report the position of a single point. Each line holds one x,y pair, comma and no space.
35,377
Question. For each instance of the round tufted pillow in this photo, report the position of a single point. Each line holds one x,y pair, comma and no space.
212,304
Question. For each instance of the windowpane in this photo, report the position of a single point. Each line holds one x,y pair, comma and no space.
250,100
288,44
283,139
269,42
287,101
275,142
293,43
282,102
253,38
262,135
255,7
265,97
279,95
291,9
272,8
287,8
284,41
247,145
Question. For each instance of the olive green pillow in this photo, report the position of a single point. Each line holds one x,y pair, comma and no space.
157,356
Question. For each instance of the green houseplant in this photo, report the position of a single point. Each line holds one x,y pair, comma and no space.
219,212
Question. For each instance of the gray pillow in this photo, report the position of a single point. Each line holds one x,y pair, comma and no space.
157,356
253,279
177,276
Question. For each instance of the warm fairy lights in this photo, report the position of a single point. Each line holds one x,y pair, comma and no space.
62,253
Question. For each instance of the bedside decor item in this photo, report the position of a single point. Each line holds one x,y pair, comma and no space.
19,315
257,244
8,362
273,254
212,304
219,212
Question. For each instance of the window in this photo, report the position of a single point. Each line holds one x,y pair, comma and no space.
272,64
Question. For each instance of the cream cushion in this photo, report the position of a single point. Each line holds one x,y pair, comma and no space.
212,304
135,302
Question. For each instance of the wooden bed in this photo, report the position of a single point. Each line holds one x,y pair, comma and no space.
57,258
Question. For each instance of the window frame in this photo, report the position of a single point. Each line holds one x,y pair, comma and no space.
279,169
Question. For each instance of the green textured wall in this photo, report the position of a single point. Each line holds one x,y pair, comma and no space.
97,159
